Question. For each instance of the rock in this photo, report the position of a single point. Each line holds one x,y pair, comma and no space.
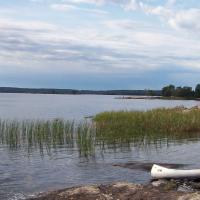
157,190
185,188
194,196
90,191
170,185
115,191
195,185
159,183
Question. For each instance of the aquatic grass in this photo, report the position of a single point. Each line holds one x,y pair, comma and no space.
33,135
86,139
147,129
36,134
158,123
106,131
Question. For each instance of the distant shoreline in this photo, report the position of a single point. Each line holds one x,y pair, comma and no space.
75,91
120,94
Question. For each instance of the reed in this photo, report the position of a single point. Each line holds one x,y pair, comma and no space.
86,139
46,136
107,131
176,123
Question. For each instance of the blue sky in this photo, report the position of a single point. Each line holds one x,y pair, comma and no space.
99,44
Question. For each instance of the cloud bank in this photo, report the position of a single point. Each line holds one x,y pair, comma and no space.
108,38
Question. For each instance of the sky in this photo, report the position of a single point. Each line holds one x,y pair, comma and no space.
99,44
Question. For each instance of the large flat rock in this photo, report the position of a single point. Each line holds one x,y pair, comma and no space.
119,191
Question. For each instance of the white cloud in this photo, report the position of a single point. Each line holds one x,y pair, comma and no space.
160,11
122,24
99,49
111,45
69,7
163,11
97,2
187,20
36,1
132,5
6,23
179,19
171,3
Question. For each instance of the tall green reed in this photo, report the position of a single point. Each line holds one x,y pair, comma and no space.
107,131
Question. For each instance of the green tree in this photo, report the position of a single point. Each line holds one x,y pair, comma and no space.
184,92
197,91
168,91
149,92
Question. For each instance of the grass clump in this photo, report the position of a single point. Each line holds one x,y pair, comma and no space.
158,123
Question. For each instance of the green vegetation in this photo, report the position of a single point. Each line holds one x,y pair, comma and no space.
46,135
107,131
184,92
150,93
86,139
154,124
168,91
197,91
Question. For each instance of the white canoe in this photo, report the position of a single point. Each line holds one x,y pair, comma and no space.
158,172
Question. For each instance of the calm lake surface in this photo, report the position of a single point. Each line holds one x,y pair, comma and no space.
23,174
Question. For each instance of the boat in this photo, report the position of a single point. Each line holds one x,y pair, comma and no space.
159,172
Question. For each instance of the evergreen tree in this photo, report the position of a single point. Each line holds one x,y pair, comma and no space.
197,91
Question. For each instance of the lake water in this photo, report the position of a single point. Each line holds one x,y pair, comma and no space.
39,106
23,174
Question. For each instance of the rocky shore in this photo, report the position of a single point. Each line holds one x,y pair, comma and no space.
156,190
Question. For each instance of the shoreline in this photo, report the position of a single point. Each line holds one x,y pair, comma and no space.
157,97
157,190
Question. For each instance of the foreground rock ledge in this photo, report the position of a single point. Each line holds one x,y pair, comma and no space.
119,191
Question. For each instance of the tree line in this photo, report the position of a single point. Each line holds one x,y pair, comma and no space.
74,91
188,92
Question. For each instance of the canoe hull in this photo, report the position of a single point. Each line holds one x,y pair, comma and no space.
159,172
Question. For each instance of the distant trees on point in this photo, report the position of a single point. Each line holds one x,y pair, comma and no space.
172,91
